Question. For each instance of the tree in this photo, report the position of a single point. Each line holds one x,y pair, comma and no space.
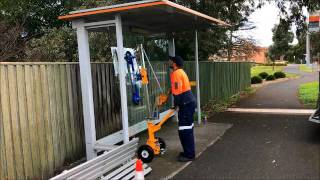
282,37
292,11
27,20
234,12
33,17
37,17
11,41
55,45
315,46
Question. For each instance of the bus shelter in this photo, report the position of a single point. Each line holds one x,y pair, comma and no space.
150,17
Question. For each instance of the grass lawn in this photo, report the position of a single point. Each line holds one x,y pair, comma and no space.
308,94
305,68
256,70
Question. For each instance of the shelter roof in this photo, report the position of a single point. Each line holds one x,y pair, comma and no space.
152,16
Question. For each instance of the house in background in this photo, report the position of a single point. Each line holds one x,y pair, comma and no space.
256,55
259,57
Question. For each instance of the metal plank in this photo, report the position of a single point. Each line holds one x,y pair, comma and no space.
122,168
117,137
133,130
147,171
91,162
126,172
102,147
105,166
131,174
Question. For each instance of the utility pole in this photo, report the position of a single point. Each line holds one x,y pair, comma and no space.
308,49
313,26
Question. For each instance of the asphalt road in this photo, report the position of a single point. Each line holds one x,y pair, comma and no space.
261,146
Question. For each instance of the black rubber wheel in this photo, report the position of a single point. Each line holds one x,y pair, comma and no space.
145,153
162,145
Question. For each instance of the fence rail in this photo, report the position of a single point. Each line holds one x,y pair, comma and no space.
41,121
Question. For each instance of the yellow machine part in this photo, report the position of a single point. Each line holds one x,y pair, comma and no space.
193,83
144,75
153,128
162,99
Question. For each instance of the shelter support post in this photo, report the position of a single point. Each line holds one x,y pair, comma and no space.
172,53
172,48
197,76
86,88
122,79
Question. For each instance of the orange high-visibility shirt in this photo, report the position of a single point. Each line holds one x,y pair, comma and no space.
179,82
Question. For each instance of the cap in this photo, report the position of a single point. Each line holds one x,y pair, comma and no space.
177,59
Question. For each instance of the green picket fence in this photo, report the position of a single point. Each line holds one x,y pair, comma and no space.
220,80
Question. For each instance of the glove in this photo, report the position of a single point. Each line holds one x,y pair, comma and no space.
175,108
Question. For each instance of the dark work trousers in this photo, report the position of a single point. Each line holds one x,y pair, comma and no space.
185,116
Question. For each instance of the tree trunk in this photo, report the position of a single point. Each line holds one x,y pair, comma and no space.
229,50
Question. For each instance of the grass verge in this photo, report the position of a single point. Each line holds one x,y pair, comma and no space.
256,70
305,68
213,107
308,94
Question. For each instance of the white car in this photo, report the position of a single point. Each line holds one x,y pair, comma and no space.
315,117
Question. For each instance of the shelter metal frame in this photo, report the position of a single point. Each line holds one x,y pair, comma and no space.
91,19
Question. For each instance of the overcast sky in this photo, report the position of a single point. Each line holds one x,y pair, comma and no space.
264,19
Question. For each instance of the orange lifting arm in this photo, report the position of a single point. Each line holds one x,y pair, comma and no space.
144,75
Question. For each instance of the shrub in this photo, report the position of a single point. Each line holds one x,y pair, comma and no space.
263,75
278,64
270,78
256,80
279,74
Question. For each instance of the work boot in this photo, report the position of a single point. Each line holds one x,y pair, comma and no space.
185,159
181,154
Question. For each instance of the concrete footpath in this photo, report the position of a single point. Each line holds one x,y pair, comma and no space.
166,166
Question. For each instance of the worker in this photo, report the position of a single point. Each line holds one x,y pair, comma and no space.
184,102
